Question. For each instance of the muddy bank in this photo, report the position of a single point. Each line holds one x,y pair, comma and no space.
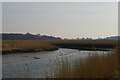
27,50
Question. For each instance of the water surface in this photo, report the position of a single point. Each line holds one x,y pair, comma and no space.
37,64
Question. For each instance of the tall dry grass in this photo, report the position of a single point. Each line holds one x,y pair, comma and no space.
95,66
25,44
9,45
28,44
85,41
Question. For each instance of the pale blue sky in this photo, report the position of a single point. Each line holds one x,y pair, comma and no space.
70,20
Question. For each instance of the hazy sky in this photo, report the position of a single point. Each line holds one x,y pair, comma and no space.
60,0
63,19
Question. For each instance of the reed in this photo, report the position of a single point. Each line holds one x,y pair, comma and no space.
95,66
13,46
26,46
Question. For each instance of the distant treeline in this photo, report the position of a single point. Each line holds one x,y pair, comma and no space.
27,36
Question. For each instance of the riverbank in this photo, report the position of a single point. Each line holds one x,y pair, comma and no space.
103,66
88,45
39,64
20,46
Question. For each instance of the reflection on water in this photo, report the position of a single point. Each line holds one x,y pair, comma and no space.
37,64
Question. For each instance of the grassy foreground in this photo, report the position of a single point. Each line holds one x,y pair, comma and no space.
95,66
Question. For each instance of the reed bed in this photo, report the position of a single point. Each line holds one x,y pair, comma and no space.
44,45
95,66
26,45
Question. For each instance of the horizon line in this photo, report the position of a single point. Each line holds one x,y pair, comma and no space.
53,35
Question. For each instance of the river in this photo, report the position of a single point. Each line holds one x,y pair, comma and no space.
37,64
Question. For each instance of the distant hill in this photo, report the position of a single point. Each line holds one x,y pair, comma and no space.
112,38
27,36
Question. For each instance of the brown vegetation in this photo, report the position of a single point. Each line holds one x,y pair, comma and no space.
39,45
95,66
25,46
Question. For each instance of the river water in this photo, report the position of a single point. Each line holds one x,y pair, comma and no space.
38,64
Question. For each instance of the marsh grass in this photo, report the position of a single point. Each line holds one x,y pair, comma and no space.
26,45
95,66
13,46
